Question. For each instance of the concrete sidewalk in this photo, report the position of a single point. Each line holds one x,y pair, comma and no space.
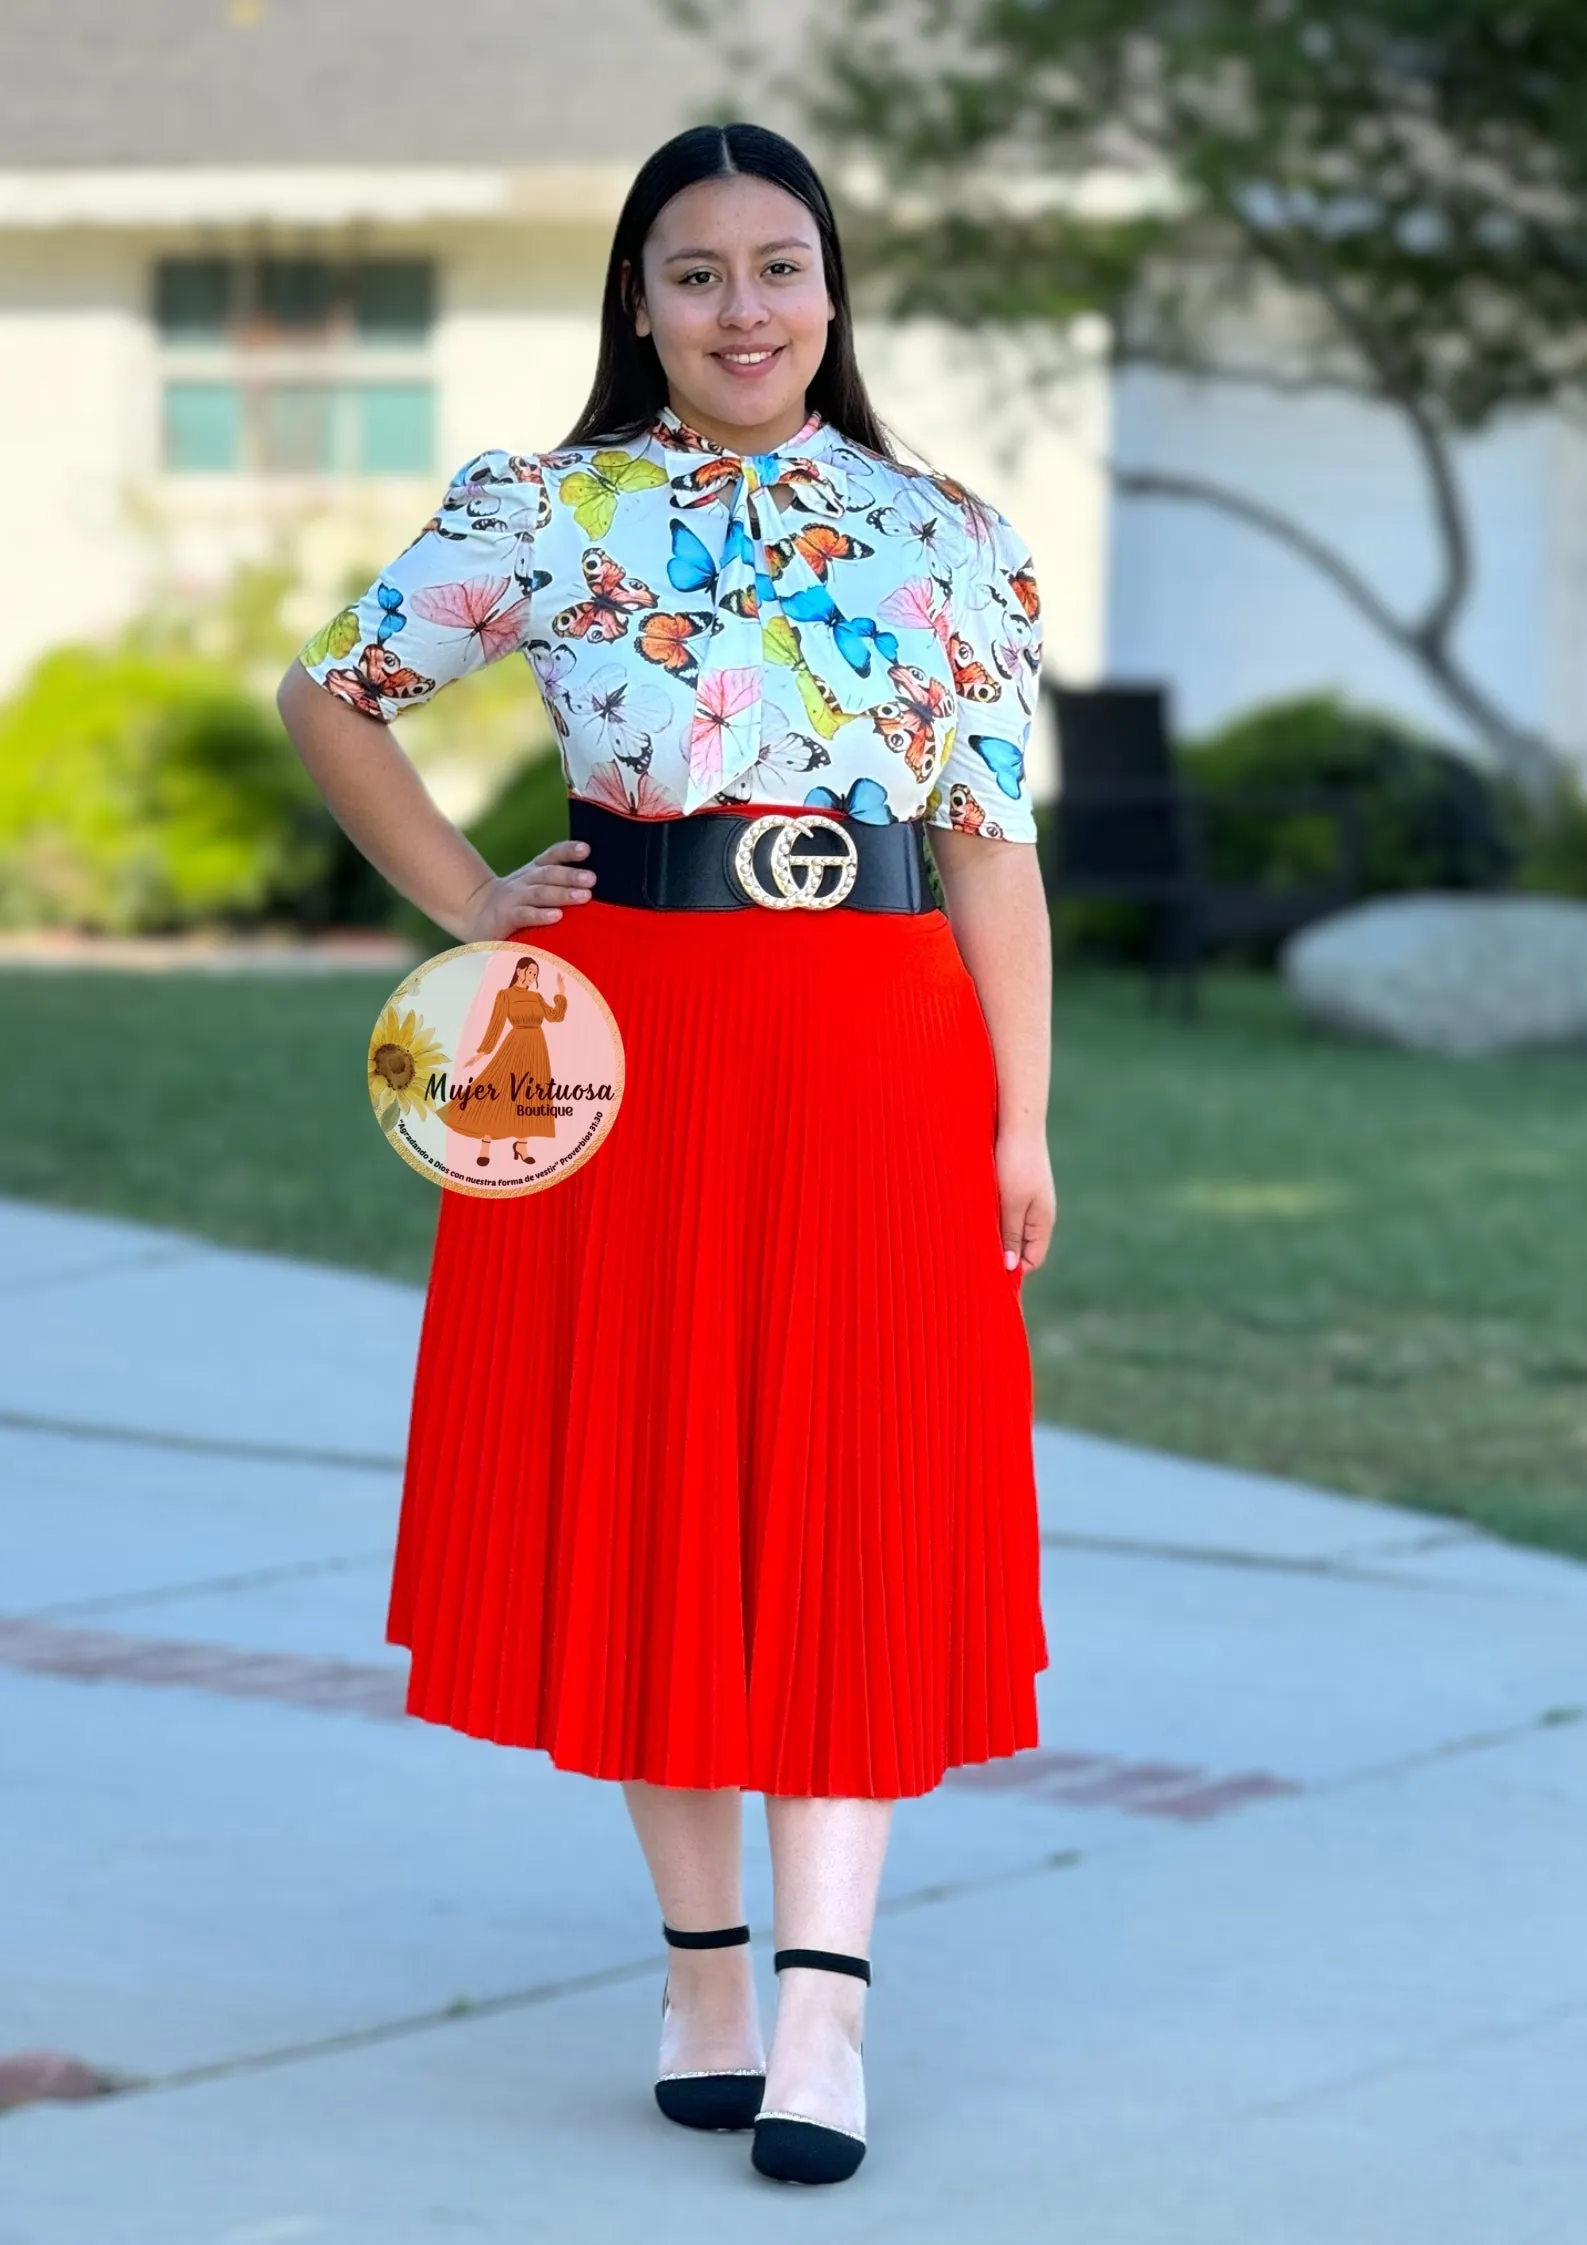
1276,1939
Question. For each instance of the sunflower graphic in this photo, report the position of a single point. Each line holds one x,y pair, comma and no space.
403,1055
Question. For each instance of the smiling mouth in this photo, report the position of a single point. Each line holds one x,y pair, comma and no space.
762,357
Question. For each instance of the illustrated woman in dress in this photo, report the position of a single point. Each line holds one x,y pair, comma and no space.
494,1080
769,1522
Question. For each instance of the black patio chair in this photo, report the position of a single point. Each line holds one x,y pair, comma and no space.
1128,827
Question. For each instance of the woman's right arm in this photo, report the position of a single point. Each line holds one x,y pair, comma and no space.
382,805
449,603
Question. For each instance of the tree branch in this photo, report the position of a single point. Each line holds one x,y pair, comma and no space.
1281,381
1159,483
1438,618
1297,262
1529,757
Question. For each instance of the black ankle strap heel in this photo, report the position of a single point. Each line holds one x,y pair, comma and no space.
699,2099
824,1960
720,1937
788,2146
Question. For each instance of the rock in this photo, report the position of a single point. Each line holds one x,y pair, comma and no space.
1447,973
29,2075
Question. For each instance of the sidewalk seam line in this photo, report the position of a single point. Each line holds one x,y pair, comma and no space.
916,1898
209,1445
468,2008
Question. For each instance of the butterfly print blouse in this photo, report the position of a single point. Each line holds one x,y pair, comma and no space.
816,625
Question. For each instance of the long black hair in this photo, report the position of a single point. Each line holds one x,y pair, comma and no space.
630,385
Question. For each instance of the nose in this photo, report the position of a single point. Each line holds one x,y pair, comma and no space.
742,304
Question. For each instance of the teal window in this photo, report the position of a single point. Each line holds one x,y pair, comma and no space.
396,428
297,429
203,426
300,428
263,356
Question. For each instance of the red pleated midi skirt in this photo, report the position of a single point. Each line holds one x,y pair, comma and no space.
720,1464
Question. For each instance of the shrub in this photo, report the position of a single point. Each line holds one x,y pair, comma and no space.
147,792
1554,856
1428,818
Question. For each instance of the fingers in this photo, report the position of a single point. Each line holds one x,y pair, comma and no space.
557,860
552,884
539,892
1027,1228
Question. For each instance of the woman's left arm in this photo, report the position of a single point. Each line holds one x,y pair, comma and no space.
998,909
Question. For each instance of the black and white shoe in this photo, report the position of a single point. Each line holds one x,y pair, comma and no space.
729,2097
789,2146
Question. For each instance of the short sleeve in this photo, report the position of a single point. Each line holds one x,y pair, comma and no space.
982,787
454,600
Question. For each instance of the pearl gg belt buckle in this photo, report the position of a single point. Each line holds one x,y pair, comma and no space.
796,880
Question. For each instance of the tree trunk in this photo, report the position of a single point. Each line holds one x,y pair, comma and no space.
1535,767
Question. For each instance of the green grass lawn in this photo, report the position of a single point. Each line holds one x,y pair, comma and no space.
1350,1265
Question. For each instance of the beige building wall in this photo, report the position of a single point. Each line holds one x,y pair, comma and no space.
73,400
103,530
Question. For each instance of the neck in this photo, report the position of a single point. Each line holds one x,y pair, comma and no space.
759,436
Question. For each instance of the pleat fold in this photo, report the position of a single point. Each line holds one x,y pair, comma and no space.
720,1449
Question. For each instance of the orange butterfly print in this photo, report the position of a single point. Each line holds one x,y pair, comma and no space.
968,816
381,675
972,681
664,639
809,486
907,724
613,597
710,481
820,545
950,490
671,439
1025,592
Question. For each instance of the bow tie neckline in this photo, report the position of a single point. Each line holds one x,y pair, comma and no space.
669,427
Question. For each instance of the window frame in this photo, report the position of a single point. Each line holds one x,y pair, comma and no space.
361,370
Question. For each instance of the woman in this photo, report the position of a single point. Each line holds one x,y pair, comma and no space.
771,1524
487,1093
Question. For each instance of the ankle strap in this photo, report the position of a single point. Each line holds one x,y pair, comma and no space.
720,1937
824,1960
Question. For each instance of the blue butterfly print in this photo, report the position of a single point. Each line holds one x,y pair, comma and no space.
866,801
816,605
392,619
1004,759
691,568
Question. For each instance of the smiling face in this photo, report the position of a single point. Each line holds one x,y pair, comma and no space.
733,293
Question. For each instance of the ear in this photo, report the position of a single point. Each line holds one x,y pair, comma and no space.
640,315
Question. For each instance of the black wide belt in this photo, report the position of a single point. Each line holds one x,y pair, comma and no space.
783,861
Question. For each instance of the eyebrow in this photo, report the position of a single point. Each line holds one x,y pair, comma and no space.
790,241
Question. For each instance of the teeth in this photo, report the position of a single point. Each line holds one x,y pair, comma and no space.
747,358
